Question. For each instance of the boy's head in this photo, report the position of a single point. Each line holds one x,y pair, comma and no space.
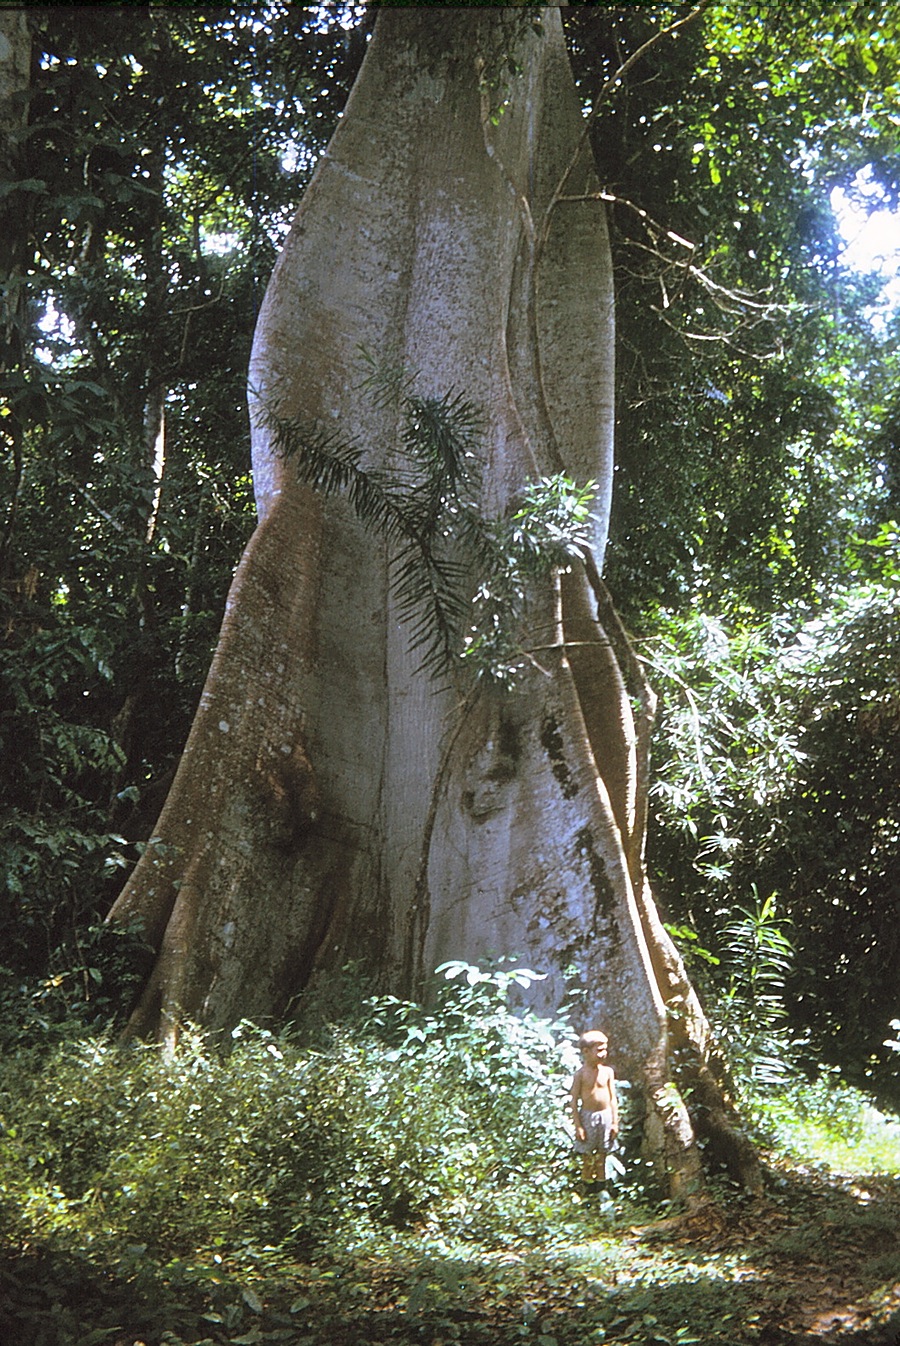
593,1043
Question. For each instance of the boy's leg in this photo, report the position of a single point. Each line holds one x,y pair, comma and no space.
591,1172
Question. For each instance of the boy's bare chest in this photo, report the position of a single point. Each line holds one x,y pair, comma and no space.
594,1080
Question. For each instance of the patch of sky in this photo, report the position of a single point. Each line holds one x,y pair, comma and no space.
219,244
345,15
871,234
59,328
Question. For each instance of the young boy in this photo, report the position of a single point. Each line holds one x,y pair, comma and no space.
595,1108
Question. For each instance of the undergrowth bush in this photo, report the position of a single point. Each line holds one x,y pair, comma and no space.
450,1119
825,1123
821,1120
87,988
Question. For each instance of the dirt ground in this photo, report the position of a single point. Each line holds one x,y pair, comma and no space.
826,1252
815,1262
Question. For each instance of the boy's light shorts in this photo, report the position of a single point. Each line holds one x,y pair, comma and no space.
597,1126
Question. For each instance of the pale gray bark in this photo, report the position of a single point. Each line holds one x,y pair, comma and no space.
333,802
15,72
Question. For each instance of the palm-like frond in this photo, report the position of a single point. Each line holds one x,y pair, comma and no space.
427,506
331,466
419,506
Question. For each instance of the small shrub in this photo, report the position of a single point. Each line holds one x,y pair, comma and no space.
88,987
749,1013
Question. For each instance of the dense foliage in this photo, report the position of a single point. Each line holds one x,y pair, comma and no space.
402,1174
754,535
754,538
751,380
401,1117
777,766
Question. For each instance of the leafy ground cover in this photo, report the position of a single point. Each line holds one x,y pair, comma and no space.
407,1178
816,1261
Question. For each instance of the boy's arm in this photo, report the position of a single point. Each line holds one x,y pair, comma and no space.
614,1103
575,1099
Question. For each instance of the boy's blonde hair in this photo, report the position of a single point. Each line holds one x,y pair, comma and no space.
591,1036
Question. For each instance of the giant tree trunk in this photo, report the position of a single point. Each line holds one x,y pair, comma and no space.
333,800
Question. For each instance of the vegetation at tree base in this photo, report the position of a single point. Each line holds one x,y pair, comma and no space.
398,1174
211,1196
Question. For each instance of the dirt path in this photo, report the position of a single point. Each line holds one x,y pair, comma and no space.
825,1252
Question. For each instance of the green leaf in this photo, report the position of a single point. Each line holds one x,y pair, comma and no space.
35,186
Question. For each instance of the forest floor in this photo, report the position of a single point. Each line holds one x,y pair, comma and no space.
815,1262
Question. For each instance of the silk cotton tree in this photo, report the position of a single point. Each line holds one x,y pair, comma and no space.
336,799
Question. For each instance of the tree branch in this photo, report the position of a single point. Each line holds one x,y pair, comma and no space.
605,92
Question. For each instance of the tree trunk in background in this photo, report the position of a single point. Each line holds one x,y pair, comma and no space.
15,213
149,461
333,802
15,82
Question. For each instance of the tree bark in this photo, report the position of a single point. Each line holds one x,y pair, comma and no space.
333,802
15,214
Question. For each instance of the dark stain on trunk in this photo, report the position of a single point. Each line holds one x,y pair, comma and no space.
552,743
604,897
